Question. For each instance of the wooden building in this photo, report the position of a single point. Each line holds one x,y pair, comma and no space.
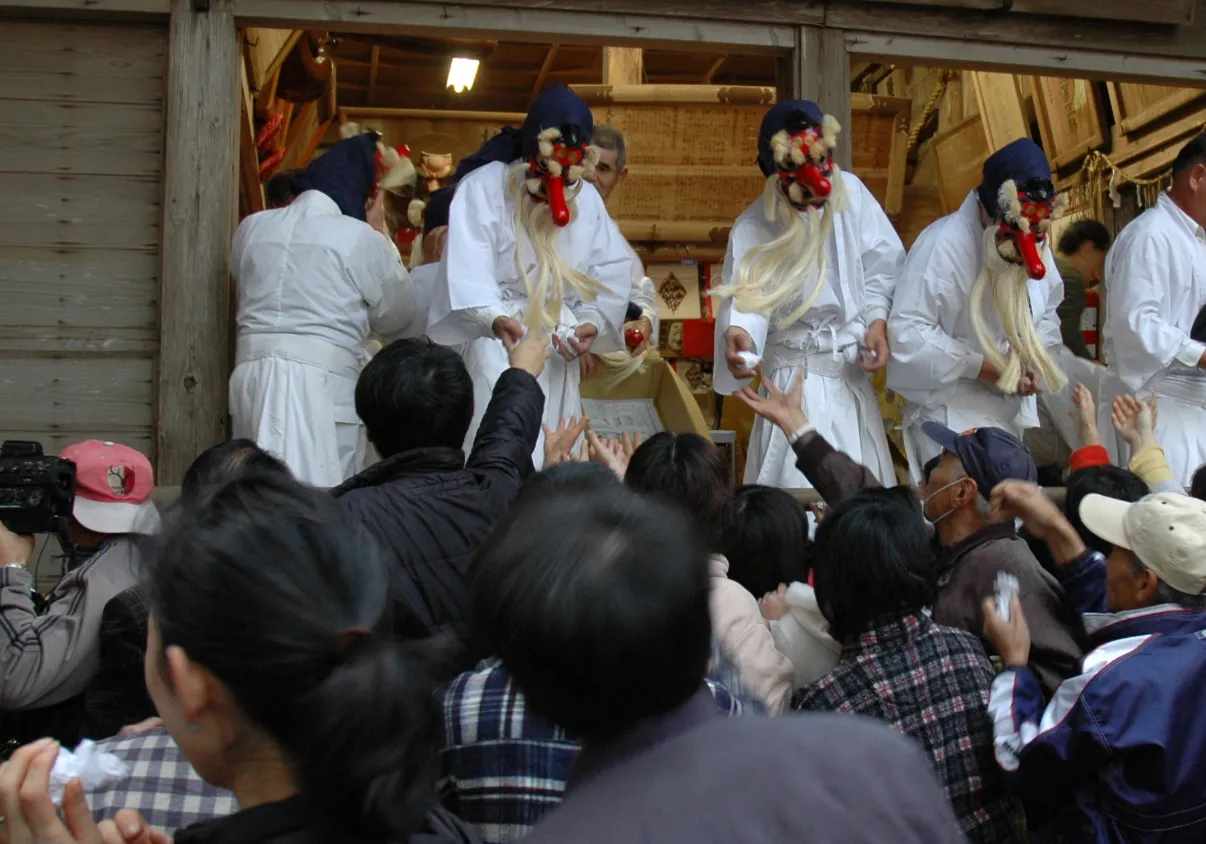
125,122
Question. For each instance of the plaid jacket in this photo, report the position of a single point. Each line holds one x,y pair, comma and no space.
503,768
932,684
162,786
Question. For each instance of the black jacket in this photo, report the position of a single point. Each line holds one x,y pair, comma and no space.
296,821
430,510
117,695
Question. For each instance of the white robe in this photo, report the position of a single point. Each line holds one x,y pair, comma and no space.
864,255
312,284
936,359
1155,287
644,296
478,281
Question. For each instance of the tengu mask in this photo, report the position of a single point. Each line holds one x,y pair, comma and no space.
557,166
1025,214
803,158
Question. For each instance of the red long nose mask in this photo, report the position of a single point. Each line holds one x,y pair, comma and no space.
556,170
1026,214
804,158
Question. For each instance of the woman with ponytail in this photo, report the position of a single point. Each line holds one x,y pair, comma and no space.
264,664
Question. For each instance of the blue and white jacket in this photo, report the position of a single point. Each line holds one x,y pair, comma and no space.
1125,740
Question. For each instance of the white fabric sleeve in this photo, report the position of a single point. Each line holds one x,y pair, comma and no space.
1048,327
742,239
927,358
384,283
883,257
465,280
644,296
1137,282
610,265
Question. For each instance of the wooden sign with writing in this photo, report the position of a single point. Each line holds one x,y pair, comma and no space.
1069,118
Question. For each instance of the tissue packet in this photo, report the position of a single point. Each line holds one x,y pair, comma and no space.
96,769
750,359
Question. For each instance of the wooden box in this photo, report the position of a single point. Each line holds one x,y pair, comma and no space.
879,140
1138,106
1000,105
959,157
1069,118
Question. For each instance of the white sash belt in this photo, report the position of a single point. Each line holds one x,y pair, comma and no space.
1189,389
307,350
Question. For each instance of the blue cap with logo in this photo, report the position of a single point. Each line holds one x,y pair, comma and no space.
989,455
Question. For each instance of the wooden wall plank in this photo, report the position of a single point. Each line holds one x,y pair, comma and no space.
1069,116
63,210
70,343
1000,105
1138,106
80,63
81,138
200,206
1178,12
623,66
92,393
266,52
959,157
53,442
85,288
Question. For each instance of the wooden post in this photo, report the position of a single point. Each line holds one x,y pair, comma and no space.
623,66
200,198
823,76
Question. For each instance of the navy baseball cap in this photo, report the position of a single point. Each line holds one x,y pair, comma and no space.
989,455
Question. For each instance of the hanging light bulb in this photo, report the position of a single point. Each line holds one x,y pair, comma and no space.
462,73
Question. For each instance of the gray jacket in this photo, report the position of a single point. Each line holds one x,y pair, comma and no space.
49,658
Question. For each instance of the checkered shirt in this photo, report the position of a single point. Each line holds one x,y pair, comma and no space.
162,785
503,768
932,684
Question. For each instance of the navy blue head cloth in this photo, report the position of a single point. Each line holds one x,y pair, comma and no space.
346,173
438,206
1021,161
777,118
553,109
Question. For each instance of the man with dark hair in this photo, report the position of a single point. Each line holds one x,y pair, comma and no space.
1122,743
429,507
875,577
1198,487
280,190
615,650
1156,289
970,549
1081,261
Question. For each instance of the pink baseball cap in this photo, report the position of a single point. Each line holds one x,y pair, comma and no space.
113,487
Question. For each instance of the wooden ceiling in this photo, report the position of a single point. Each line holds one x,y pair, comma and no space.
404,72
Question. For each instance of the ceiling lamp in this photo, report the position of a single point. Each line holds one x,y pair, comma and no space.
462,73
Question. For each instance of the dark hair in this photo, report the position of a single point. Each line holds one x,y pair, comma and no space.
226,462
764,536
1082,232
872,561
280,190
1197,485
685,469
596,600
1193,153
415,394
266,583
1109,481
572,475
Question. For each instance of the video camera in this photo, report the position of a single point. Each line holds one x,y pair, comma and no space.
36,492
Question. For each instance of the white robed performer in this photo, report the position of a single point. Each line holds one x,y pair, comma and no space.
531,248
314,279
1156,313
807,286
966,352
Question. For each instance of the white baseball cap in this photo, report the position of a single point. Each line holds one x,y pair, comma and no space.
1166,532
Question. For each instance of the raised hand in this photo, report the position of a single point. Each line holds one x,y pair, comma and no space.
786,410
530,353
559,444
1135,421
737,340
875,357
1084,414
509,330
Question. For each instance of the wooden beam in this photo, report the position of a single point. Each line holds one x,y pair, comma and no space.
374,65
1028,60
115,9
251,190
199,205
517,24
354,114
597,95
550,56
713,70
266,50
823,76
623,66
1176,12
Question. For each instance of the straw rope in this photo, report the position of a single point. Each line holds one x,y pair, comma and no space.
1101,177
944,79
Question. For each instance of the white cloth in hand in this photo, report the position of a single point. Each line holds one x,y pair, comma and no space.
95,769
750,359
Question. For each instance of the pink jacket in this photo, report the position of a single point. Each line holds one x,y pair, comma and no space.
745,637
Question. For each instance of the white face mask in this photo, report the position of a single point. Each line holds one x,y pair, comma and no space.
926,501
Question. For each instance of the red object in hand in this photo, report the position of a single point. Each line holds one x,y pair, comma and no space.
634,337
1028,248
